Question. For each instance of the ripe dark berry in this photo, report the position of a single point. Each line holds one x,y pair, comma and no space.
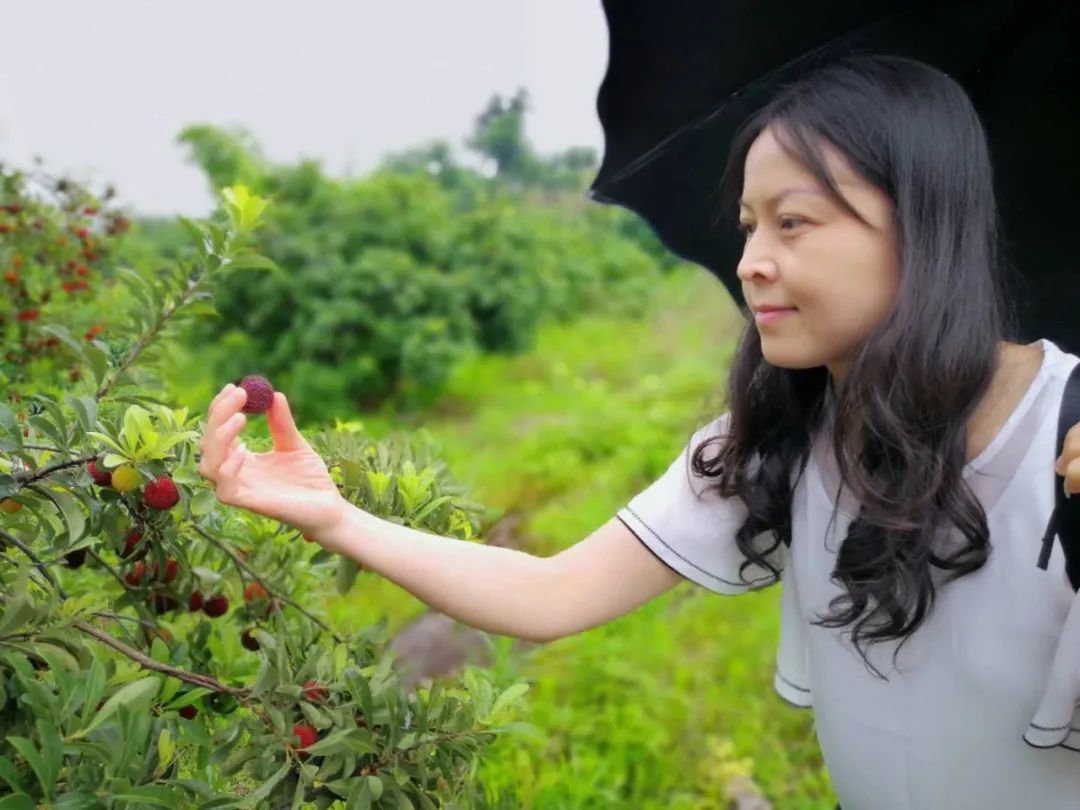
304,736
314,692
195,601
163,602
216,606
172,568
102,478
135,576
260,393
249,641
187,712
130,542
76,558
254,592
161,493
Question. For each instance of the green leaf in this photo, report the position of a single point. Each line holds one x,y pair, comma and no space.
10,774
203,503
69,507
107,440
17,615
133,695
36,762
85,409
508,698
261,792
165,747
17,801
156,795
346,574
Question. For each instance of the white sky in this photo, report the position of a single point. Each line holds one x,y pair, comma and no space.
101,89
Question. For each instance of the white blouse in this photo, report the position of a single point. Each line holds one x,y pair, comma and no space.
980,709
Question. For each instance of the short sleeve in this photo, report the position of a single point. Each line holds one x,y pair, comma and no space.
692,529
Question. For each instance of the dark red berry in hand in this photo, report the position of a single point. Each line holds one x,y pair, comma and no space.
216,606
249,641
161,493
260,393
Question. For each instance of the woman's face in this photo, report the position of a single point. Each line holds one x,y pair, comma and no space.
804,250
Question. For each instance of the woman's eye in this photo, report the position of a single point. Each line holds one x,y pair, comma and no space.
787,223
745,228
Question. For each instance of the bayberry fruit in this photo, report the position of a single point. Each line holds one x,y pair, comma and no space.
161,493
216,606
314,692
254,592
126,478
102,478
260,394
76,558
172,568
130,543
249,641
134,577
163,602
195,601
306,735
188,712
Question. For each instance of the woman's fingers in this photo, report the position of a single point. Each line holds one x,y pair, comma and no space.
217,438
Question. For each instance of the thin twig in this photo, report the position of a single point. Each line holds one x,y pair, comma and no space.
42,567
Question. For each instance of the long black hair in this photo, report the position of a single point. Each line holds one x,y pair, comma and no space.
899,418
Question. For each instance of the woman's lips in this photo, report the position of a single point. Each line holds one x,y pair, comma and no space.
772,315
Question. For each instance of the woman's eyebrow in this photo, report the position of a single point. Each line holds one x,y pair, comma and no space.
780,195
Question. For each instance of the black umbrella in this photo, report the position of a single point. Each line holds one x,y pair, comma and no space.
683,74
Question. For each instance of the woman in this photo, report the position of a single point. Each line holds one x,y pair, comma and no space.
888,453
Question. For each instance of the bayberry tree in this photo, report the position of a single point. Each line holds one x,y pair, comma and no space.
158,649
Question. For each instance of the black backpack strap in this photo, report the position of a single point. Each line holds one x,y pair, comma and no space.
1065,520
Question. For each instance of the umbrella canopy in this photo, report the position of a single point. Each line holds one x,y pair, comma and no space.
683,75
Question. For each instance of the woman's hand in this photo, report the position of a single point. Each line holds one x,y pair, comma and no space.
1068,463
290,483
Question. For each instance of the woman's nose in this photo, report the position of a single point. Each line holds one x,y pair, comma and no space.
755,262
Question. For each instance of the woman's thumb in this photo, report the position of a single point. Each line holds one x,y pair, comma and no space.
282,427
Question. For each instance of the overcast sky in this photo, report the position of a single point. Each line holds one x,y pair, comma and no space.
101,89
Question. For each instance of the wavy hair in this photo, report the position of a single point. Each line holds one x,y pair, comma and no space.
899,419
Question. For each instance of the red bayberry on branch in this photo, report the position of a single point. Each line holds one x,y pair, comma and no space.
315,692
195,601
130,542
254,592
134,577
249,641
163,602
161,493
81,270
188,712
304,736
27,315
11,277
216,605
102,478
172,568
82,233
76,558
